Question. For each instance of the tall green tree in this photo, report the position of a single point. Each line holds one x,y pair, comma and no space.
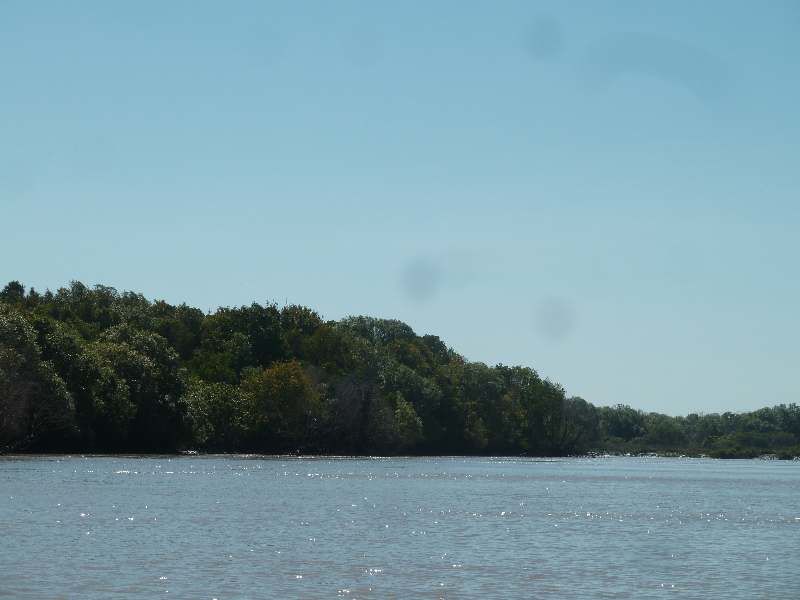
155,382
36,409
282,407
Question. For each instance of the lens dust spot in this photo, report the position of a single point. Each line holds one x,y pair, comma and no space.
545,38
695,69
422,279
554,319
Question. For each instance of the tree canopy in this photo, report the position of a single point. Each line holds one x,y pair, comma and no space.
93,369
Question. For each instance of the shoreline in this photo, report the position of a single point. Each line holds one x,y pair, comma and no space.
343,457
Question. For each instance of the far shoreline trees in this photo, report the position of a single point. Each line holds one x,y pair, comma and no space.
95,370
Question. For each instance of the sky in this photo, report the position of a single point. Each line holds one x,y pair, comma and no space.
604,191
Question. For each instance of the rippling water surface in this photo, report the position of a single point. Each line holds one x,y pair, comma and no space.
252,527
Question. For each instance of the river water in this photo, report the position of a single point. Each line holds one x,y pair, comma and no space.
254,527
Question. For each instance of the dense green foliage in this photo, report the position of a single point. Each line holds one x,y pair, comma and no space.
96,370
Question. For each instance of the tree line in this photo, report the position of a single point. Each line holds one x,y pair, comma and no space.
95,370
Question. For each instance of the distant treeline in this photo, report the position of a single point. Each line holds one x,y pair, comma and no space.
94,370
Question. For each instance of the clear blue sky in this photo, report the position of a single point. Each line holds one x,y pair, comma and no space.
605,191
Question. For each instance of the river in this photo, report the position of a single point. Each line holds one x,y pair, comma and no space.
265,527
